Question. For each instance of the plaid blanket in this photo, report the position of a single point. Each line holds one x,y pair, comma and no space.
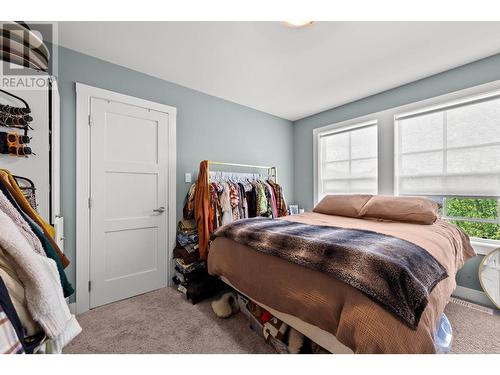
395,273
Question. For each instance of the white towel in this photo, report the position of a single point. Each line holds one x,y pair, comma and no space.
44,294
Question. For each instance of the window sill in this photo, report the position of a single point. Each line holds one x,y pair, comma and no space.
484,247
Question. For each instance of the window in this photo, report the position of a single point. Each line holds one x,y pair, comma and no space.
347,160
454,153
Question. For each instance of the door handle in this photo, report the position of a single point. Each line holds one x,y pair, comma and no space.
160,210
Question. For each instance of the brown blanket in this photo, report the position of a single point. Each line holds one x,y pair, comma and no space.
332,305
395,273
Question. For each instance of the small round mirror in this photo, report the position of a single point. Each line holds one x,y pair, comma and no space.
489,276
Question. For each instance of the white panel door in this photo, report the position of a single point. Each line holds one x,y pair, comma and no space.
128,188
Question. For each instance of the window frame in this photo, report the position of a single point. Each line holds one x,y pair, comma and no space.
337,128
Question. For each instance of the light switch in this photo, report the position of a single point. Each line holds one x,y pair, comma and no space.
187,177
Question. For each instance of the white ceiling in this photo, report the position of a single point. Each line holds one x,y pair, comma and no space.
288,72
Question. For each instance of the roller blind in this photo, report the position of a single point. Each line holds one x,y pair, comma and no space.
348,161
454,151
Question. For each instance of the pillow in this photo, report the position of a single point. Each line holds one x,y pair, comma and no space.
342,205
417,210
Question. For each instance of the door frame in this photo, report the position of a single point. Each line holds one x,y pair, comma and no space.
84,94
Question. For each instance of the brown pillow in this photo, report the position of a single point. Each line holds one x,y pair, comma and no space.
407,209
342,205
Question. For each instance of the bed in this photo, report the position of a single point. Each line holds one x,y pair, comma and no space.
332,313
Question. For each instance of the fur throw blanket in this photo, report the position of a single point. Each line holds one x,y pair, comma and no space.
40,278
397,274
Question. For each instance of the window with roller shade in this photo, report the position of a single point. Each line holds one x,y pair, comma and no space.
453,153
347,160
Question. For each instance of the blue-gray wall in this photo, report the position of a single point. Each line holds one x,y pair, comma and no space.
473,74
207,128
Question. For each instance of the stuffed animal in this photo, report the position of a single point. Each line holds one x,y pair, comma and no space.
295,341
226,305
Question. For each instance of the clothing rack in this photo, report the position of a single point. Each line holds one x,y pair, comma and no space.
272,172
201,196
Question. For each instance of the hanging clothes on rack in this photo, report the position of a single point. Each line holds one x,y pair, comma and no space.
44,294
271,199
280,199
243,200
11,329
202,209
33,227
221,198
214,216
10,207
188,210
32,271
225,204
234,199
17,294
251,195
262,205
13,339
9,182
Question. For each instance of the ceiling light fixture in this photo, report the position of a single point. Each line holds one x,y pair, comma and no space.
298,23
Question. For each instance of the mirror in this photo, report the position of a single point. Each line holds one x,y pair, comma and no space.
489,276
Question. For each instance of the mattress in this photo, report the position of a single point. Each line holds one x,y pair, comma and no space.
352,318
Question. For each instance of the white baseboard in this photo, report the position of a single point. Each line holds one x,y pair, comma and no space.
472,295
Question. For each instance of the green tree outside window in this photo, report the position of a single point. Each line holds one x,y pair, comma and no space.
475,208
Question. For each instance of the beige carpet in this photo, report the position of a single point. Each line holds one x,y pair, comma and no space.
164,322
474,331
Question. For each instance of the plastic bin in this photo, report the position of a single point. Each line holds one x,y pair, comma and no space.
256,326
444,335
